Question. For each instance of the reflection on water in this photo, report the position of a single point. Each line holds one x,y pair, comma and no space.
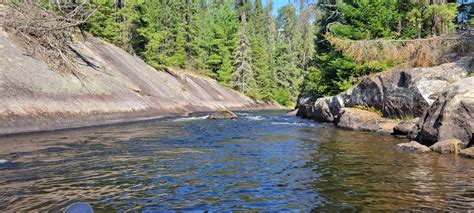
263,161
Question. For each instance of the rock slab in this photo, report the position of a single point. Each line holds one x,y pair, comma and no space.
362,120
413,147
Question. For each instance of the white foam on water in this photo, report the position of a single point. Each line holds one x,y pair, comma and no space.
292,124
255,118
191,118
2,161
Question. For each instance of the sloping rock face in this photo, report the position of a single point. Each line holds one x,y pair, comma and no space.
111,86
450,116
402,93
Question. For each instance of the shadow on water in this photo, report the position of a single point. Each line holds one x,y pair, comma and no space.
262,160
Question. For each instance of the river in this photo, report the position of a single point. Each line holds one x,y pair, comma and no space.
261,161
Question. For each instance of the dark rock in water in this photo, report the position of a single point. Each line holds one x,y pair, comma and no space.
450,116
468,153
413,147
410,92
79,207
447,146
362,120
323,109
405,127
305,99
226,114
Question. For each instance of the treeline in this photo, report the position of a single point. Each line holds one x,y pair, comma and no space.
320,48
239,43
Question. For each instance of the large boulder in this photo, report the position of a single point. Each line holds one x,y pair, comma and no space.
447,146
324,109
413,147
362,120
409,92
450,116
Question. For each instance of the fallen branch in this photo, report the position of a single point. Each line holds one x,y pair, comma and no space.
47,33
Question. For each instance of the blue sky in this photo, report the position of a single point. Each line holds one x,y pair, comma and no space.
277,4
280,3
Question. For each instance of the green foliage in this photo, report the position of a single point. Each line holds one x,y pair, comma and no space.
368,19
104,22
283,97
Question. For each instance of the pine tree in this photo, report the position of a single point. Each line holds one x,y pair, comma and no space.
287,70
242,78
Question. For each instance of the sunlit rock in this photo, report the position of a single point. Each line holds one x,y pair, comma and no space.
447,146
413,147
226,114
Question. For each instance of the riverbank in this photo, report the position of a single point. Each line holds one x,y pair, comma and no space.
428,105
108,86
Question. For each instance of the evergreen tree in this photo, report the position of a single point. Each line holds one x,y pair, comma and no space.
288,73
242,78
216,41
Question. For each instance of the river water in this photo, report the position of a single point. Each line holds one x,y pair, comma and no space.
261,161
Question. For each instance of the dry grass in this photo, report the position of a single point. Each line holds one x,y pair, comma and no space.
416,53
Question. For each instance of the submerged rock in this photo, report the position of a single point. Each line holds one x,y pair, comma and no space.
413,147
362,120
405,127
451,116
226,114
468,153
447,146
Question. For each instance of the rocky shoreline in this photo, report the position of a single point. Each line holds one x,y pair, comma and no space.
432,107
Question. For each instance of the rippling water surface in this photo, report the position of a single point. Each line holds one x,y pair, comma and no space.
263,161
